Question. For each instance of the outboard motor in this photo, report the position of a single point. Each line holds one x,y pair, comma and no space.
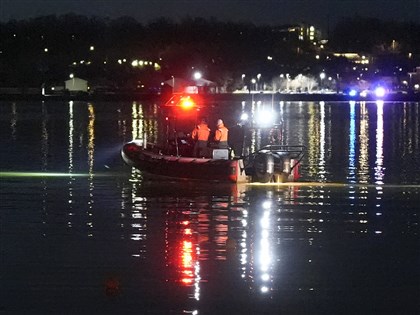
263,167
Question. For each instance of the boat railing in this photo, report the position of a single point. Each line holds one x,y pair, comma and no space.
293,152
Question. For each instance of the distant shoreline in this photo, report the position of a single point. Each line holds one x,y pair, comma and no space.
277,97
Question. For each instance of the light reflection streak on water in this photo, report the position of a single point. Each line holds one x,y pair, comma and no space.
44,159
352,144
139,220
138,131
221,233
281,113
253,144
313,140
122,125
364,144
154,123
297,224
70,167
91,155
410,124
44,137
265,254
379,169
182,248
243,242
138,214
321,162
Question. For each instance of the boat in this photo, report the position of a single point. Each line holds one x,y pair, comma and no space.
272,163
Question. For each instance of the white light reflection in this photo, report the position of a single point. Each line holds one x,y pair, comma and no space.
379,169
244,255
70,155
197,279
265,255
321,163
139,208
264,289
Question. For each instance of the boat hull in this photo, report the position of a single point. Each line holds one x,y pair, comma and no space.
277,164
183,167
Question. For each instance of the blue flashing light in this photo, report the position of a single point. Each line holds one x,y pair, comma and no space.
353,93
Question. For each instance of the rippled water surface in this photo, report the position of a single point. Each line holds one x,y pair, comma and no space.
82,233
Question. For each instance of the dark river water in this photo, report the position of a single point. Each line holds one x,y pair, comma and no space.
82,233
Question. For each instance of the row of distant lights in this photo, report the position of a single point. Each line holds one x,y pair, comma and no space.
91,48
379,92
134,63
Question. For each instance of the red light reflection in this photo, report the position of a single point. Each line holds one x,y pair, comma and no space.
188,257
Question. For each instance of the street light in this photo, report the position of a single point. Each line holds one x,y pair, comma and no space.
243,83
197,75
253,81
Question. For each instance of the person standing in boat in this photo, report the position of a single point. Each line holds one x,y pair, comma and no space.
236,139
221,135
200,135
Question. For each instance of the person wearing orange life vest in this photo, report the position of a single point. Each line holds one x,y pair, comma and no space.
221,135
200,135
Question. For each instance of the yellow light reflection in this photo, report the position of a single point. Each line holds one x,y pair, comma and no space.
137,121
364,144
91,154
313,140
321,163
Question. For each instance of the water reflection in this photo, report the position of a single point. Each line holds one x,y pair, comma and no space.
352,144
322,153
91,159
190,247
269,238
363,171
379,163
70,150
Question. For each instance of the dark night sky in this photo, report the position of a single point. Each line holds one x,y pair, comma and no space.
257,11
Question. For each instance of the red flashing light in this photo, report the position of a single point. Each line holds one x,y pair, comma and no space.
187,102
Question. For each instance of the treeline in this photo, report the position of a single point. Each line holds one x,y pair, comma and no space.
46,49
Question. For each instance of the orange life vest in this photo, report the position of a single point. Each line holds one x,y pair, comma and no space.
201,132
221,133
